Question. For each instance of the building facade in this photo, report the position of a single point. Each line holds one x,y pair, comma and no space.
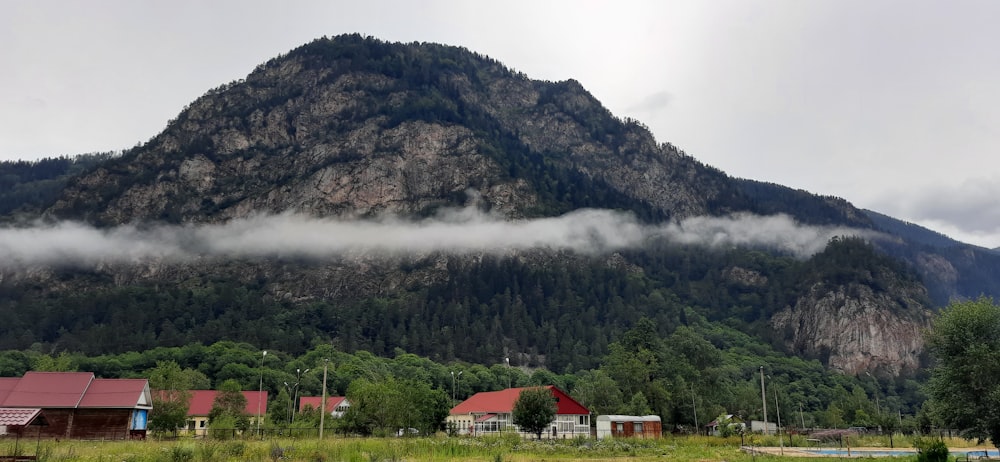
628,426
490,413
201,405
336,406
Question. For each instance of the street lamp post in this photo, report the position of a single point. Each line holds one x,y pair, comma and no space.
294,391
260,390
507,360
453,378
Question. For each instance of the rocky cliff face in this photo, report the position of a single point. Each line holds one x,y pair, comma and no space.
854,329
351,136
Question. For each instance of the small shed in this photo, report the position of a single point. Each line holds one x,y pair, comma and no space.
628,426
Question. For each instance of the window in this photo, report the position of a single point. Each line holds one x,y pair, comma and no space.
201,424
583,420
620,426
637,427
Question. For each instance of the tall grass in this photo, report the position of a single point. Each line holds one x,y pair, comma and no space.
508,448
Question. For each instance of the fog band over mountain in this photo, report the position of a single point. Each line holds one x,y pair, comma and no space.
458,231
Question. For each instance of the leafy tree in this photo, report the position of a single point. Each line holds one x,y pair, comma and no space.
279,409
727,427
534,410
965,342
382,407
599,392
637,405
229,406
171,396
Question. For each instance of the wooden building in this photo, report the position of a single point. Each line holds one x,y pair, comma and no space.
78,405
628,426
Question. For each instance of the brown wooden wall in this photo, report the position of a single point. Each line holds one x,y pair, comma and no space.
101,424
108,424
649,430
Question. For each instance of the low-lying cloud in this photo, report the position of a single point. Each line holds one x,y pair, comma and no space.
461,231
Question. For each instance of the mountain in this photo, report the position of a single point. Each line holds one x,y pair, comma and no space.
355,130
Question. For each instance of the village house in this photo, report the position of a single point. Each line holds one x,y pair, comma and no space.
77,405
489,413
336,406
201,405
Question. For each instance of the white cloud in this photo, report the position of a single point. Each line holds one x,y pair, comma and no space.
456,232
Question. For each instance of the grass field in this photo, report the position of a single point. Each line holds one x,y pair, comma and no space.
509,449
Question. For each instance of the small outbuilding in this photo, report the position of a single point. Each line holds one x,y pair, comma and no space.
628,426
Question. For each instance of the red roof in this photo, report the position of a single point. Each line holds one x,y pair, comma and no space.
123,393
201,402
18,416
502,402
6,385
313,401
71,390
49,389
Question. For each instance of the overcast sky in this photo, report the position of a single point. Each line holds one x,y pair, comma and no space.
892,105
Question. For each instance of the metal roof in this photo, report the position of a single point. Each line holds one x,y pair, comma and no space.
628,418
49,390
331,402
120,393
502,402
201,402
16,416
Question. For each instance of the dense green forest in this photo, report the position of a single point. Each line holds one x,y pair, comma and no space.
562,314
701,367
670,329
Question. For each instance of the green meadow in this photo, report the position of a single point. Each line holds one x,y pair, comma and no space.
510,449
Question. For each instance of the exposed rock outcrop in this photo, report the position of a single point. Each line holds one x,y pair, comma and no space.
855,330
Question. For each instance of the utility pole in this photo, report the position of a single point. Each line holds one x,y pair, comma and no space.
695,409
777,409
802,417
763,398
260,391
322,414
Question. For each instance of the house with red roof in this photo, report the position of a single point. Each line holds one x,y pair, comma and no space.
336,406
78,405
201,405
489,413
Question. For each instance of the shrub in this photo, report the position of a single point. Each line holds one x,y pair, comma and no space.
931,450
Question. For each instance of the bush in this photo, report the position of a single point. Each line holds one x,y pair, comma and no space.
181,454
931,450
